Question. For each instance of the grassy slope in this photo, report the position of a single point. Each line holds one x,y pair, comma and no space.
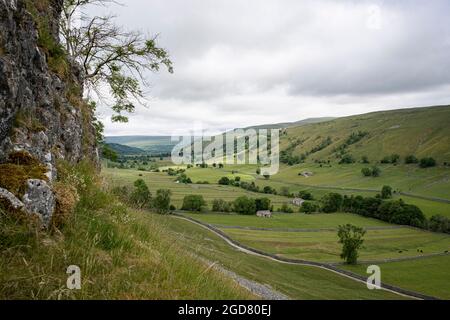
430,276
298,282
122,255
419,131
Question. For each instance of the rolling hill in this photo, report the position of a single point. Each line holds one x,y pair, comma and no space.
149,144
423,132
125,150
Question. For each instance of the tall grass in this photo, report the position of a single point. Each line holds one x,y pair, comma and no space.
122,254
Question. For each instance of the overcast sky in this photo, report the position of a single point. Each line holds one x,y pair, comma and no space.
247,62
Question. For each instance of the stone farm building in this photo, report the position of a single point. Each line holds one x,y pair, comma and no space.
264,213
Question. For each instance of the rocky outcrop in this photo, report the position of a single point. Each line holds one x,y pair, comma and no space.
42,111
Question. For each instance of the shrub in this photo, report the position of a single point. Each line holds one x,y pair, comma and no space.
220,205
427,162
141,196
225,181
244,205
367,172
269,190
305,195
411,159
172,207
376,171
162,200
393,158
286,209
193,202
332,202
347,159
365,159
309,207
439,223
386,192
183,178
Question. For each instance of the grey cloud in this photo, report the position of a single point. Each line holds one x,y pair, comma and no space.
235,61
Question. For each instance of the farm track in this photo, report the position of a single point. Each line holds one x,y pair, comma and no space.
328,267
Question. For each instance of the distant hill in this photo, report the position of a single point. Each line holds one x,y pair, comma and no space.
284,125
149,144
418,131
125,150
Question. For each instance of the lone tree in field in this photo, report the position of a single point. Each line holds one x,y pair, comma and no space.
351,238
161,203
110,57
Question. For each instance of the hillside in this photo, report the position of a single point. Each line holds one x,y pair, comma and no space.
291,124
125,150
421,132
149,144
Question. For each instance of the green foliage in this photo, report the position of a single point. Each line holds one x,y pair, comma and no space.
393,159
365,159
220,205
262,204
399,212
286,209
351,238
244,205
386,192
225,181
347,159
193,202
109,153
366,172
111,56
305,195
332,202
427,162
183,178
309,207
376,172
439,223
140,196
161,203
269,190
411,159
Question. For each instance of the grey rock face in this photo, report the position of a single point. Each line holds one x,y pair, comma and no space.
35,113
39,200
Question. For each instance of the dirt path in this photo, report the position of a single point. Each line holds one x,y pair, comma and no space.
328,267
263,291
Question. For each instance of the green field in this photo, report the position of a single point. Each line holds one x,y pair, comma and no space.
323,246
293,221
298,282
346,179
430,276
161,180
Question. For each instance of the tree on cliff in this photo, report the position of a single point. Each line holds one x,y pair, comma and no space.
110,55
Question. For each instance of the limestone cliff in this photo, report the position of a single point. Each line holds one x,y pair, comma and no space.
43,117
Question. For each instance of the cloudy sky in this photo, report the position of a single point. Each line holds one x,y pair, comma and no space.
247,62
